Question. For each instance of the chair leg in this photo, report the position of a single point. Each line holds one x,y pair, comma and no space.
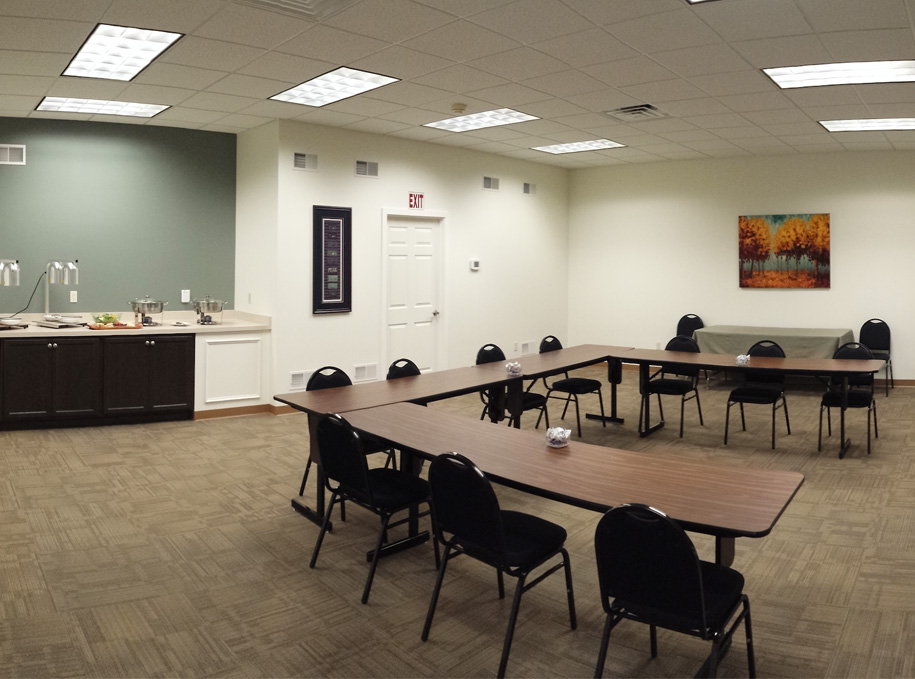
876,433
820,437
565,408
712,662
573,619
773,424
829,421
600,398
305,477
699,407
324,524
512,619
743,419
604,645
501,583
653,640
748,628
435,593
727,420
682,408
375,556
785,406
546,416
577,414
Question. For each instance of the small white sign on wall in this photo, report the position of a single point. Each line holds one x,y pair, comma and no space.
415,201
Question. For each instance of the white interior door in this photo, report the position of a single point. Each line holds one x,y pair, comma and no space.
413,289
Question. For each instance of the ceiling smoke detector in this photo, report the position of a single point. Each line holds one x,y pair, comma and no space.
632,114
458,108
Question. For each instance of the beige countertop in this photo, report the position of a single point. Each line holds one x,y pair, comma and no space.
231,321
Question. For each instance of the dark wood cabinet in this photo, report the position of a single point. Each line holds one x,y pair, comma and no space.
54,379
149,374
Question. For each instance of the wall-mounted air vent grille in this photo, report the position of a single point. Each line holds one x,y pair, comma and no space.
365,168
305,161
633,114
297,381
12,154
529,189
365,372
314,10
491,183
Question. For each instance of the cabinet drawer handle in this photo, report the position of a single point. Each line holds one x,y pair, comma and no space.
152,343
50,346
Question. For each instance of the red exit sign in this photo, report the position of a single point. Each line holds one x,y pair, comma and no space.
416,201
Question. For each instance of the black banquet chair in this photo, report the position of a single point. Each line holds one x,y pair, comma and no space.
648,571
330,377
402,367
531,400
570,387
468,520
860,392
673,380
761,387
384,492
689,324
875,335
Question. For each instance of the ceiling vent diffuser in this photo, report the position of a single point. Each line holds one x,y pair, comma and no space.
313,10
12,154
305,161
365,168
634,114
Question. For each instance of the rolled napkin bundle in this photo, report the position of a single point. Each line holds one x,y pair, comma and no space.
743,359
513,367
557,437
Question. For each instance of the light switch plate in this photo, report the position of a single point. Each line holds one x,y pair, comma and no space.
73,296
185,296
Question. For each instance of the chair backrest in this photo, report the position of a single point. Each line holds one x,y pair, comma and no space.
465,508
490,353
549,343
327,377
402,367
854,351
647,560
770,349
682,343
342,457
875,335
689,324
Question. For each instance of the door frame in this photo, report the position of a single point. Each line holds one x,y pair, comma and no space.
441,336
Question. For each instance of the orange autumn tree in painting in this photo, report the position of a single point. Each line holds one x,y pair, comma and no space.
784,251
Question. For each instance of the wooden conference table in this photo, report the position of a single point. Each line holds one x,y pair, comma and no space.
841,368
726,501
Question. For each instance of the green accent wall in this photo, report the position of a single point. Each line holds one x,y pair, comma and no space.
146,210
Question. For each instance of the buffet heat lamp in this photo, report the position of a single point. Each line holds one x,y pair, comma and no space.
59,271
9,272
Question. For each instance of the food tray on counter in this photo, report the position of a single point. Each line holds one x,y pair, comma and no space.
18,326
127,326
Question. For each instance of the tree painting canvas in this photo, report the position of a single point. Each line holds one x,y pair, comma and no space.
784,251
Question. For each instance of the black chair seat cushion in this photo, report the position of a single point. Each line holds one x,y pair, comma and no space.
880,355
576,385
528,538
670,386
723,587
393,488
857,398
756,393
532,400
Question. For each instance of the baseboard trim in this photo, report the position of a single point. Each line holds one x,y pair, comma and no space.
264,408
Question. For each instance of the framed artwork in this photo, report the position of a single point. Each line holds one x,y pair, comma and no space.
783,251
332,252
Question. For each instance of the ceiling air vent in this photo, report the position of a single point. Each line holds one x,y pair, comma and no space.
491,183
314,10
305,161
12,154
633,114
529,189
366,169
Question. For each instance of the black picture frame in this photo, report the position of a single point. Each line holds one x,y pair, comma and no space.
332,253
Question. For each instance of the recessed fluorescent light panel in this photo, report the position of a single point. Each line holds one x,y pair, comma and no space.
851,73
477,121
869,124
118,52
111,108
334,86
579,146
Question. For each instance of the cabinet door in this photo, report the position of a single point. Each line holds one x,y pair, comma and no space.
126,371
171,375
27,378
77,377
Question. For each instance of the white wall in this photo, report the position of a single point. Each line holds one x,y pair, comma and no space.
519,294
650,243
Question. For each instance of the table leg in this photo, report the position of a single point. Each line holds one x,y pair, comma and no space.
316,515
514,401
613,376
724,550
408,464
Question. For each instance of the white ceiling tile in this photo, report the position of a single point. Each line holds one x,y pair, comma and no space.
511,95
53,115
761,101
586,48
272,109
175,75
391,20
633,71
377,126
743,82
531,21
155,94
247,25
753,20
713,122
87,88
242,120
663,125
834,95
211,54
408,93
17,102
519,64
704,60
887,94
461,41
901,110
324,116
565,83
85,10
41,34
683,136
615,11
785,130
795,50
400,62
838,112
287,67
329,44
249,86
685,108
33,63
866,145
848,15
870,45
190,115
464,7
602,100
419,133
460,79
743,132
585,121
412,116
364,106
668,90
159,121
777,117
213,101
663,32
21,84
180,16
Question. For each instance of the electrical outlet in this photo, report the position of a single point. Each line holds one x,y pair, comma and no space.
72,296
185,296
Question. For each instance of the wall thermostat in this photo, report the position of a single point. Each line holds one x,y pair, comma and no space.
474,264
